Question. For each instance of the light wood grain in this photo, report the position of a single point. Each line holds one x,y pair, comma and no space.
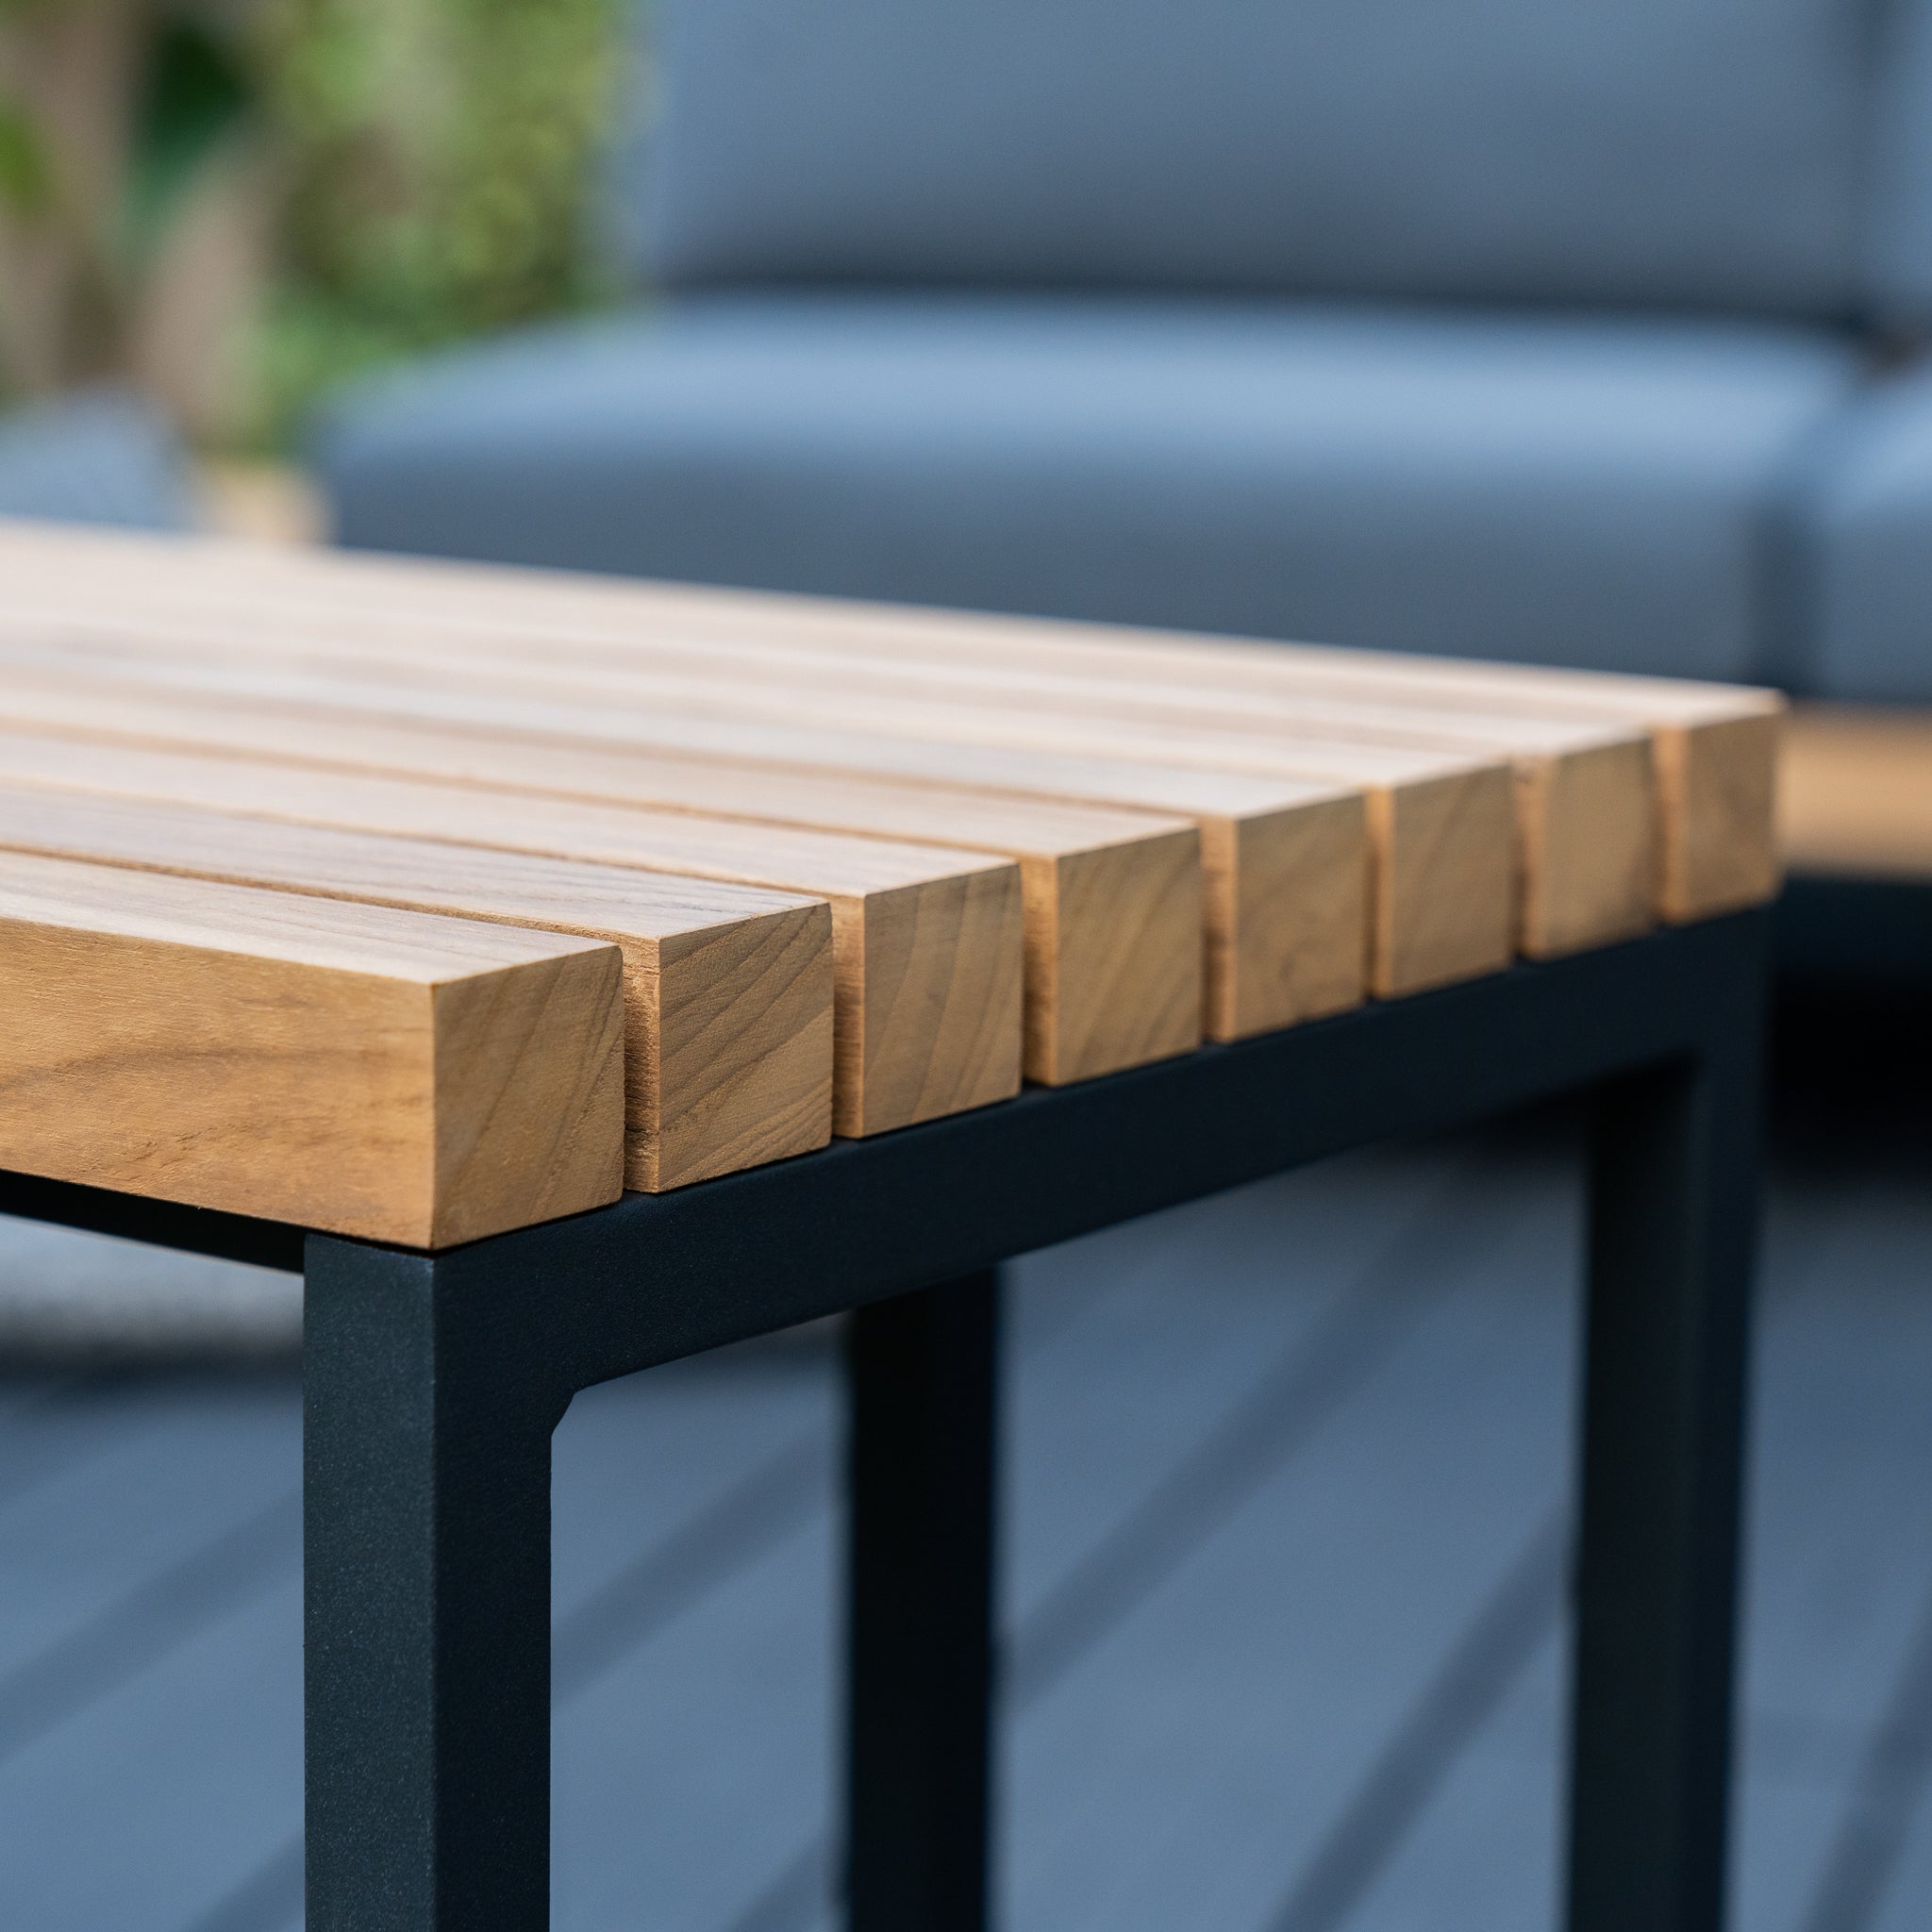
1714,749
727,991
1585,799
1114,956
1715,746
1442,843
375,1073
1717,779
1111,900
1585,795
927,948
1854,792
1285,863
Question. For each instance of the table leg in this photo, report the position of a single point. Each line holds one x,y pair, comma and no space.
922,1372
1673,1215
427,1611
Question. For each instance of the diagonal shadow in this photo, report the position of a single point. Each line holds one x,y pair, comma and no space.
1310,1380
156,1616
1489,1659
1886,1796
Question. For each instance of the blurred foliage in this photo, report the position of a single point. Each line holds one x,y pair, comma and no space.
115,118
440,156
232,203
195,93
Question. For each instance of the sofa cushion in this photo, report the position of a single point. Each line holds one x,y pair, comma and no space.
1899,246
1872,531
1692,153
100,457
1560,491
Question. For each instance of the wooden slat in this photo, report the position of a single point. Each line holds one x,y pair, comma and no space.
1584,795
1854,792
1285,863
1440,824
727,989
927,943
1715,745
381,1073
1112,899
1580,885
1023,830
1584,791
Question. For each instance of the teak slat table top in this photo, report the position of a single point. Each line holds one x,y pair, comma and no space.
1441,839
927,942
1715,746
846,867
1112,897
1284,865
1585,786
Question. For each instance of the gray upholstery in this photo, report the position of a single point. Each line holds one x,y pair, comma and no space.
1872,529
1095,353
1899,218
99,458
1692,152
1566,490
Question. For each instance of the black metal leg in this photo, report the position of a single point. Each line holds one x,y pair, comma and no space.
923,1372
426,1475
1673,1216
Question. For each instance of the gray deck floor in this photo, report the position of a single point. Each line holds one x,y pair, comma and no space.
1283,1554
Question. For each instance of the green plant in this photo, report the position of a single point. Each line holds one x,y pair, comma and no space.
231,203
440,158
128,192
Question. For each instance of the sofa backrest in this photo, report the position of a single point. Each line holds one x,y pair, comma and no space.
1709,154
1898,234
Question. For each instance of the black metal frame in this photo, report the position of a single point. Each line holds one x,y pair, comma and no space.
1877,931
432,1385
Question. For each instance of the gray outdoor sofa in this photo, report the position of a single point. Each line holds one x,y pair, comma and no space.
1571,330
